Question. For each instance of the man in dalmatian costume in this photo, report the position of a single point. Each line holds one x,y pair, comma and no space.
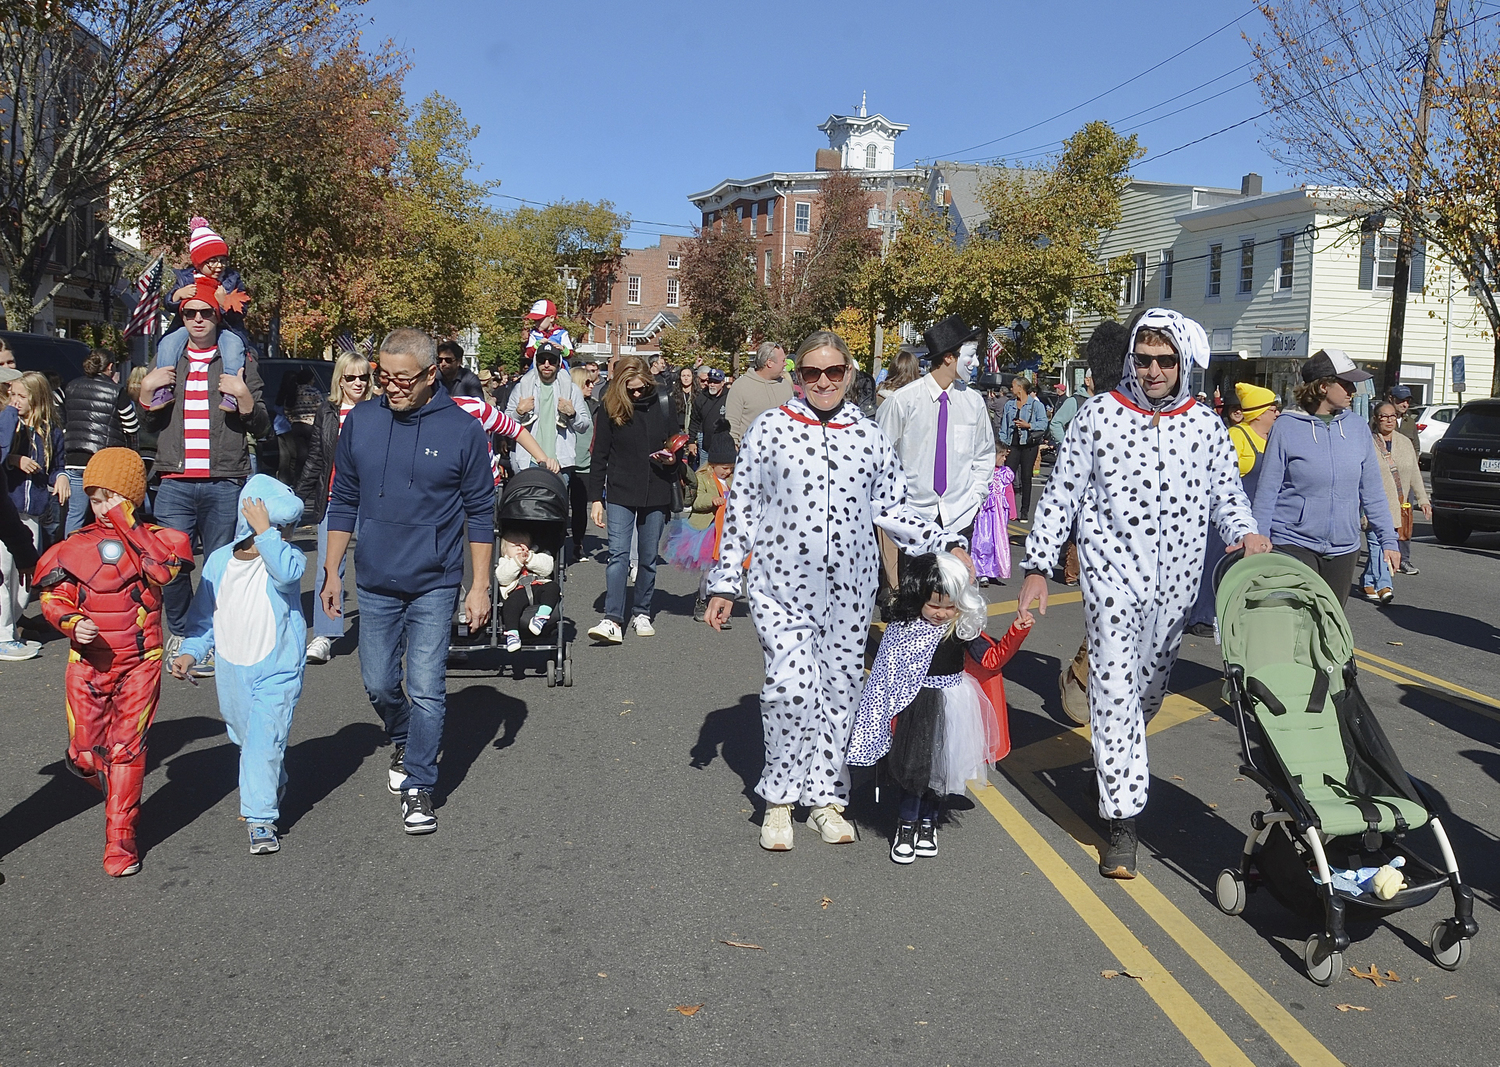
814,479
1143,470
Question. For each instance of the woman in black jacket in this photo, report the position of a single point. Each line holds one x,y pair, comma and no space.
351,384
97,413
629,467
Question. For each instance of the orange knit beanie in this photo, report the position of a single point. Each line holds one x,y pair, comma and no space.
119,470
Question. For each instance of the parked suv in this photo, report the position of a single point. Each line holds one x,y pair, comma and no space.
1432,422
1466,473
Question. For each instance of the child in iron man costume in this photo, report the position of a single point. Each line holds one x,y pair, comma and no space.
102,588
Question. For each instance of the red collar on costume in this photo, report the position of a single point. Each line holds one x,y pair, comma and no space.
815,422
1133,406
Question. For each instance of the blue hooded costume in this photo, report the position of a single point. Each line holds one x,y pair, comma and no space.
249,613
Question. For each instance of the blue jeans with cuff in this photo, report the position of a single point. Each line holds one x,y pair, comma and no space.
622,523
323,626
208,507
1377,570
416,628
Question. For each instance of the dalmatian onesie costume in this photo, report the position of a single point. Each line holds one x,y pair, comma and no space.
1143,479
803,507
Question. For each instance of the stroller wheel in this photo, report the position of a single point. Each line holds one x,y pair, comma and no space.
551,674
567,674
1322,971
1230,892
1450,957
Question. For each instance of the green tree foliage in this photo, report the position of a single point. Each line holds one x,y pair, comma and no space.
1034,257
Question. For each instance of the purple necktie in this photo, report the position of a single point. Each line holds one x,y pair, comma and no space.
940,464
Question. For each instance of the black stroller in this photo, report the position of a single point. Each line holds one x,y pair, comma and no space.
534,501
1341,803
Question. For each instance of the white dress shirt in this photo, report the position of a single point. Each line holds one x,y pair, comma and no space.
910,419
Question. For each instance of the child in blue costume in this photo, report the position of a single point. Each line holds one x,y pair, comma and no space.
248,612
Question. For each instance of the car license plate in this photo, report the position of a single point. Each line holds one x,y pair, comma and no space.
1489,466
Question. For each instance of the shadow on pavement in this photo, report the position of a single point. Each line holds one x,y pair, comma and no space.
57,801
1459,629
734,734
476,716
319,765
196,782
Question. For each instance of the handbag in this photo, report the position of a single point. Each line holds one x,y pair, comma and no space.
1403,524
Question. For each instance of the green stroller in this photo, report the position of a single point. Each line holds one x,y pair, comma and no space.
1340,801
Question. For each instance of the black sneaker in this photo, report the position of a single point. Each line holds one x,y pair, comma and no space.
903,848
397,774
699,607
926,842
1408,568
1118,858
417,816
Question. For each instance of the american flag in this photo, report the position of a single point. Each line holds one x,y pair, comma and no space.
992,356
148,301
344,342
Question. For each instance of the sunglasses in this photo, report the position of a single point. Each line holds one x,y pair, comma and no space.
638,390
447,359
402,382
198,313
357,377
1164,362
835,373
547,358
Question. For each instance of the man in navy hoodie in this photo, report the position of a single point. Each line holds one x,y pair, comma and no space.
414,470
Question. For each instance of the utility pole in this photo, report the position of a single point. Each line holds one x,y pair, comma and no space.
887,228
1401,282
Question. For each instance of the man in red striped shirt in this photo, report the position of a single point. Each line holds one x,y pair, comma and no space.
202,455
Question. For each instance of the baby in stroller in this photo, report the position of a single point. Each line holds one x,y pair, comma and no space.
528,593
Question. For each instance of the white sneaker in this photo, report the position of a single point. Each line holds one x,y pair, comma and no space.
19,650
512,641
607,631
829,821
642,626
320,650
776,828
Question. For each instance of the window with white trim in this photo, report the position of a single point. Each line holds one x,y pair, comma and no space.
1135,289
1247,266
1215,269
869,157
1166,274
673,261
768,268
803,217
799,259
671,292
770,213
1385,260
754,215
633,289
1285,273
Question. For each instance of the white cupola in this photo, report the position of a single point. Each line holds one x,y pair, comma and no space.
863,141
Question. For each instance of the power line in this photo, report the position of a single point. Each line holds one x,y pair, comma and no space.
630,221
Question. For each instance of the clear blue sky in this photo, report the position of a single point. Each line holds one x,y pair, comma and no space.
642,104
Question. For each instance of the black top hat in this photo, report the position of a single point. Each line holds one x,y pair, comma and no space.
947,336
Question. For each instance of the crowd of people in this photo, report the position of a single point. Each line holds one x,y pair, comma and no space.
821,496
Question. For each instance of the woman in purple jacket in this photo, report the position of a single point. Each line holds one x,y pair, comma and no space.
1319,472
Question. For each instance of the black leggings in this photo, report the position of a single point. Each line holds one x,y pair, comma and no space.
1022,459
578,504
514,608
1337,571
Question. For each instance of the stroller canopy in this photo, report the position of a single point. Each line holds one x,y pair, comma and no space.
534,495
1273,608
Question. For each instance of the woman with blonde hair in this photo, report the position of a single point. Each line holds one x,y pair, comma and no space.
31,448
813,481
351,385
633,469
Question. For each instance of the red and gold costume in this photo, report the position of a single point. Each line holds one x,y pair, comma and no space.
111,573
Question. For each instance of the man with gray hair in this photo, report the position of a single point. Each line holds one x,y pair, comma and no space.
414,471
763,388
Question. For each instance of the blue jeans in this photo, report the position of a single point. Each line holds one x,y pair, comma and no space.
1377,570
207,507
323,626
418,628
622,523
78,502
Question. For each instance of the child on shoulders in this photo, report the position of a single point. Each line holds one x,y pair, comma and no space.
210,271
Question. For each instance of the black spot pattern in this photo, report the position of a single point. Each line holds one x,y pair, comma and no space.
803,507
1142,497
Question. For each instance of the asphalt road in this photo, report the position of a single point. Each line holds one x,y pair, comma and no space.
597,849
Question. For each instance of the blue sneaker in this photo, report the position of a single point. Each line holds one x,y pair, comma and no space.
263,839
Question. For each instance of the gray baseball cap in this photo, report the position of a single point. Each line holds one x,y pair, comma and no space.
9,374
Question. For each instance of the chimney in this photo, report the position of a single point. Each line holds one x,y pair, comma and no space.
947,197
1250,184
828,159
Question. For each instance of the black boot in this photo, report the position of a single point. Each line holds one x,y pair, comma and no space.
1118,858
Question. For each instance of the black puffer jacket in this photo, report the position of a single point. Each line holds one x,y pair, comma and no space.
317,472
96,414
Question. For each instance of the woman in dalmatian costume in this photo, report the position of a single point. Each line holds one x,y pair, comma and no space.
814,479
1143,470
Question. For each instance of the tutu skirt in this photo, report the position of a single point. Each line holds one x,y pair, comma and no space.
689,549
942,739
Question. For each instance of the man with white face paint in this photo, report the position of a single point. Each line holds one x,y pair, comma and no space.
1143,469
942,434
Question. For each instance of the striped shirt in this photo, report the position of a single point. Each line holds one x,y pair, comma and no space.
195,414
494,421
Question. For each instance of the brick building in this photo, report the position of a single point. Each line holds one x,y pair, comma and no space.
646,298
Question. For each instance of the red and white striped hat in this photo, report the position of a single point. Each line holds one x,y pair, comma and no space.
542,309
204,244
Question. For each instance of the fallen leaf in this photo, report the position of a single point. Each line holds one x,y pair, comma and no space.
1213,718
1390,976
603,975
1372,975
825,902
1122,974
1214,806
1451,997
738,944
687,1009
1178,778
1350,1007
911,948
625,712
921,1022
1397,643
1239,779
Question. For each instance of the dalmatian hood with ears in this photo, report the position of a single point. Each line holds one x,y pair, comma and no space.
1191,343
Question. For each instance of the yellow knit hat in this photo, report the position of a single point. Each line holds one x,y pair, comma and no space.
119,470
1253,398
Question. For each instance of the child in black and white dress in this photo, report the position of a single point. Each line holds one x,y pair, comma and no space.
924,718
